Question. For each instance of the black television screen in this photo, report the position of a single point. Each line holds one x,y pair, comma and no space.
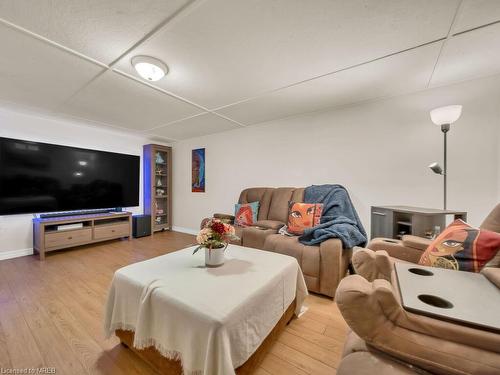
40,177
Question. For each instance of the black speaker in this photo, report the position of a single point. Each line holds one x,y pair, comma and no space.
141,225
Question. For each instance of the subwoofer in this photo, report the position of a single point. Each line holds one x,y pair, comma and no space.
141,226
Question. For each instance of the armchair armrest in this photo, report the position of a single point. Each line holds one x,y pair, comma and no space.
225,217
396,249
334,260
416,242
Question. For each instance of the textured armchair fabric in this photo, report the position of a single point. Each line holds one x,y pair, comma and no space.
371,264
374,313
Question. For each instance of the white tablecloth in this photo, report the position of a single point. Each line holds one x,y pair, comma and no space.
212,319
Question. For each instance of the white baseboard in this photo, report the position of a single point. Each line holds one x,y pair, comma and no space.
15,253
185,230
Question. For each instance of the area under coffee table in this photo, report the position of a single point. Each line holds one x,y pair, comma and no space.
210,319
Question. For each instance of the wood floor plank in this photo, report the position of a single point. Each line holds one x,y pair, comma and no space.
308,324
312,350
301,360
277,366
4,354
88,352
51,315
91,318
19,341
51,344
334,345
261,371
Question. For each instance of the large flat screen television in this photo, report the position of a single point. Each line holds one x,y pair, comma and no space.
40,177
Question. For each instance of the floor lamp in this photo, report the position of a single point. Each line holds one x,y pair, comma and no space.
444,116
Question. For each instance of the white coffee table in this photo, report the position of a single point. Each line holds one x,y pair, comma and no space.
211,319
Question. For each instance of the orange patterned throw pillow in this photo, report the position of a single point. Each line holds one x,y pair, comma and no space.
302,216
461,247
245,214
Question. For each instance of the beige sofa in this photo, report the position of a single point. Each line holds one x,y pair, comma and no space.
387,340
323,266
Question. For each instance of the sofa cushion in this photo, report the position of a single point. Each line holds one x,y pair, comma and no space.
307,256
269,224
256,237
278,209
298,195
259,194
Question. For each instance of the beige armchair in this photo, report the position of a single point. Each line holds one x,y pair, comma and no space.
386,339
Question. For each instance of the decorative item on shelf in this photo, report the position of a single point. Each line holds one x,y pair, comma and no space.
158,183
160,192
198,170
159,159
159,211
158,220
444,116
214,238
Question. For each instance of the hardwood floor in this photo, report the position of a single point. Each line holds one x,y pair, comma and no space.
51,315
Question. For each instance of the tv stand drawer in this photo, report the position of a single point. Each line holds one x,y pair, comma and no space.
111,231
69,238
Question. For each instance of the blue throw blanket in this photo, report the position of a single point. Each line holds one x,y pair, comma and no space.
339,219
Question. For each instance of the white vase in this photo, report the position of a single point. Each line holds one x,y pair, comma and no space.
214,257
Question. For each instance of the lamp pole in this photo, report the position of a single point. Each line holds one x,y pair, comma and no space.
445,128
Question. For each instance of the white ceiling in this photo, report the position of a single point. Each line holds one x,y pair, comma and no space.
235,63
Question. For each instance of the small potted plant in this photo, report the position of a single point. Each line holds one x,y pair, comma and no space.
214,238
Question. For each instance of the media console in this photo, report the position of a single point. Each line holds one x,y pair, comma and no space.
96,227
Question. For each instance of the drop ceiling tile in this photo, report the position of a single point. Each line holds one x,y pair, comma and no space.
120,101
401,73
100,29
475,13
36,74
221,52
197,126
470,55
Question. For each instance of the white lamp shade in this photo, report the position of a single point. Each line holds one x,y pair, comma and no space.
446,115
149,68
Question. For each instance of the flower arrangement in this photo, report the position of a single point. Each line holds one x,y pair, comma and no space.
215,235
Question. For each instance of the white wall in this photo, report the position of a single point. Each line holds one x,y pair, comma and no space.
378,150
16,230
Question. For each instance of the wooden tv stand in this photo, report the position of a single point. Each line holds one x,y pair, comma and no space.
96,228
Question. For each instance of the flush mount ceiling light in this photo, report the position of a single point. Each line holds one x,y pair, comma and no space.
149,68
